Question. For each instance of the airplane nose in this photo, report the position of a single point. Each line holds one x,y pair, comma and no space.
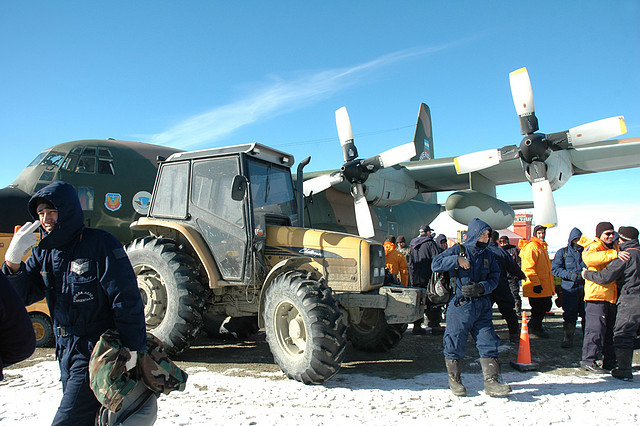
14,208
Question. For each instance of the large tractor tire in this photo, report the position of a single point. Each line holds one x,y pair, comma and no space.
43,329
373,333
304,327
173,297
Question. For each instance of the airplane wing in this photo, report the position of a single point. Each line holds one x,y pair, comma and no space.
440,174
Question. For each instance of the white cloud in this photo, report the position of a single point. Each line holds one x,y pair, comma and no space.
278,97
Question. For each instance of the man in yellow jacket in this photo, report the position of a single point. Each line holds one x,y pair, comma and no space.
538,286
600,300
396,262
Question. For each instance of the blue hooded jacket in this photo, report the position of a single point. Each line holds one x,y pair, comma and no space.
484,268
85,275
568,264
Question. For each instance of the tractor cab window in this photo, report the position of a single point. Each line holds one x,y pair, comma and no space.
271,188
170,194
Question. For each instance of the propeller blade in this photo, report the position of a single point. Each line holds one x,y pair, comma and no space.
597,130
363,214
345,133
390,157
320,183
474,161
522,95
544,206
397,155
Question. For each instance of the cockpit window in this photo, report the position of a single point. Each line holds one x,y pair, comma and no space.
104,152
86,164
90,160
54,158
37,159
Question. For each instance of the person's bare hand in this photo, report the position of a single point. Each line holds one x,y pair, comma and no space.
624,256
463,262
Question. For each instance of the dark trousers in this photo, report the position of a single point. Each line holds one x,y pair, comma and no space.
600,318
504,299
434,314
79,405
514,286
572,304
539,308
627,321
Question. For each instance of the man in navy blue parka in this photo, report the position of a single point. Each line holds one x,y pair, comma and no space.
568,265
90,287
469,310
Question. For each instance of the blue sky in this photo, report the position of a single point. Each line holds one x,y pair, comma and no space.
198,74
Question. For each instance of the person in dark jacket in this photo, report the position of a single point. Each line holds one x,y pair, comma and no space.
502,294
17,339
568,265
627,277
469,310
423,250
90,287
514,281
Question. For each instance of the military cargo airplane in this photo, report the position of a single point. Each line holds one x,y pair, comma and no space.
372,197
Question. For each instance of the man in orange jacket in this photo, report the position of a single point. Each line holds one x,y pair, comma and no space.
600,300
538,286
396,262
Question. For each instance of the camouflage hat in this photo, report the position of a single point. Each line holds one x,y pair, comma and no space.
108,377
157,371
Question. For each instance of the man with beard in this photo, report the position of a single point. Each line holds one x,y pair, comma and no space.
625,273
538,285
600,300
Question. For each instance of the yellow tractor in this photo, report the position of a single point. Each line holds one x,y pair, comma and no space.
226,238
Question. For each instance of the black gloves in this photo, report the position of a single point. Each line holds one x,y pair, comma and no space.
472,289
537,289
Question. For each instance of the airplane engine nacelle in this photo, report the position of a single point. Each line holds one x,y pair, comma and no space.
381,190
463,206
559,169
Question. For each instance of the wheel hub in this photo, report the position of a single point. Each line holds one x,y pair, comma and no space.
290,329
153,293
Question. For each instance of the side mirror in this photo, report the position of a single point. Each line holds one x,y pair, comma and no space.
238,188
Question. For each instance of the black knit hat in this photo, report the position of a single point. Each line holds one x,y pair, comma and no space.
628,233
42,204
538,228
603,226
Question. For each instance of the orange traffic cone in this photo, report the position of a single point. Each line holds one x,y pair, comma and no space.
524,351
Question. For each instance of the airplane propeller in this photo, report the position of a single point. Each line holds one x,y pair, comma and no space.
536,147
356,171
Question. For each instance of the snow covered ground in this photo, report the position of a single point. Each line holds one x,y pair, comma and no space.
30,395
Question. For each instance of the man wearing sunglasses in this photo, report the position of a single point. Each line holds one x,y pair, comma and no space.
600,301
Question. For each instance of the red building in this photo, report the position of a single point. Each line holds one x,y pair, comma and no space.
522,225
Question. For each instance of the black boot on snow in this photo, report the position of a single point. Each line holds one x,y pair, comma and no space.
491,371
455,380
623,370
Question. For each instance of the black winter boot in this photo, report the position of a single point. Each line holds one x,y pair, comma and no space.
491,371
569,331
455,380
623,370
417,328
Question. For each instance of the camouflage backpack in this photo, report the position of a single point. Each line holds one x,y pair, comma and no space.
111,383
